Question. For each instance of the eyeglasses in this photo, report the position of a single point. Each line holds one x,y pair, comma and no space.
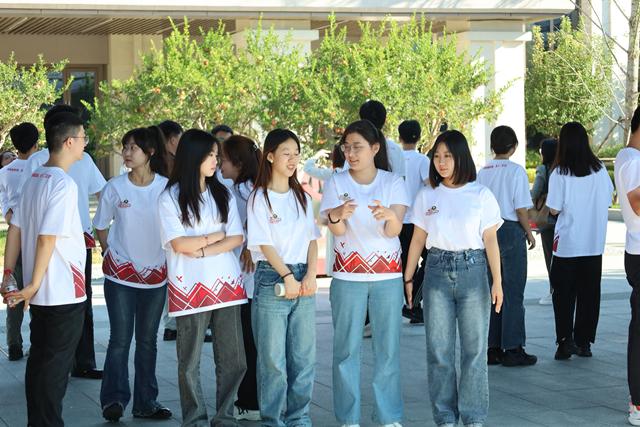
355,149
86,139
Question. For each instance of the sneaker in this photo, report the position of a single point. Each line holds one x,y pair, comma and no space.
494,356
564,351
15,353
546,300
113,412
367,331
246,414
415,315
391,425
208,337
350,425
169,334
518,357
584,350
634,414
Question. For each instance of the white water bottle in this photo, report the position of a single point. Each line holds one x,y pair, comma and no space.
279,290
9,286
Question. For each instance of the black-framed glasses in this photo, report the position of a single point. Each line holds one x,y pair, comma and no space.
86,139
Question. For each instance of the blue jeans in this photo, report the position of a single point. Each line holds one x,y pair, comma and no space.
456,291
285,336
128,308
349,303
506,329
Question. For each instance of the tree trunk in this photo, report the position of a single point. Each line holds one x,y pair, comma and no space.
633,63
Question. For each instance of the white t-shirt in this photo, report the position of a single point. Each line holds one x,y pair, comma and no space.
364,253
627,175
87,177
52,209
583,203
456,218
135,256
417,171
10,179
200,284
507,181
285,226
242,192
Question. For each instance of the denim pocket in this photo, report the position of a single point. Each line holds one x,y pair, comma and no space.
433,261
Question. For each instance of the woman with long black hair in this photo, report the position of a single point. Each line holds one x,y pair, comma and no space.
200,228
282,237
580,193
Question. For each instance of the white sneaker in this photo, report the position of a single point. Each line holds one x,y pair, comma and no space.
246,414
546,300
392,425
350,425
634,415
367,331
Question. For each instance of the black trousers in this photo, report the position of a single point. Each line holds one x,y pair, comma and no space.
55,331
85,356
632,268
546,236
576,290
418,277
248,391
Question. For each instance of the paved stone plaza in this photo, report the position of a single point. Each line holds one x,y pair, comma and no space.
578,392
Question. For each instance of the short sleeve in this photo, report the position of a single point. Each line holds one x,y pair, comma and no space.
399,195
96,180
15,218
258,230
314,231
424,168
106,208
330,198
396,158
170,219
36,160
490,211
555,196
522,196
418,217
57,222
233,227
629,175
4,193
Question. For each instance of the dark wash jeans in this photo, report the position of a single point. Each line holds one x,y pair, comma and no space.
506,329
632,268
55,332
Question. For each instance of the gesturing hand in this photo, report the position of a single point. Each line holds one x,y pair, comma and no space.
344,211
381,213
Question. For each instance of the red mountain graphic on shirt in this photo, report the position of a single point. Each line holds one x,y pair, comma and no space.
203,296
375,263
78,281
128,273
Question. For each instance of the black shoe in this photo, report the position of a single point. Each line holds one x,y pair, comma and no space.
565,350
15,353
113,412
494,356
415,315
584,351
208,337
90,374
169,334
518,357
160,413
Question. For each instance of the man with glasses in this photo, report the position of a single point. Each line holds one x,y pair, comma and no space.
46,229
89,181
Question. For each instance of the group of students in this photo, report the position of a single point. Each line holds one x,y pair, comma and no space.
241,260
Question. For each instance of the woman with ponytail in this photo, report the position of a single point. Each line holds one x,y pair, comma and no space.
239,163
135,273
282,238
365,206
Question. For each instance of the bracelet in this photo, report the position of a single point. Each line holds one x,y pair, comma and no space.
408,281
8,271
288,274
332,221
202,249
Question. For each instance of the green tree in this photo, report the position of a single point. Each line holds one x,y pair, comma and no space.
567,80
23,92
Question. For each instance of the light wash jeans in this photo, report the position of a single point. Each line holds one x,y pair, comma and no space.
456,294
285,335
228,356
349,303
132,310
